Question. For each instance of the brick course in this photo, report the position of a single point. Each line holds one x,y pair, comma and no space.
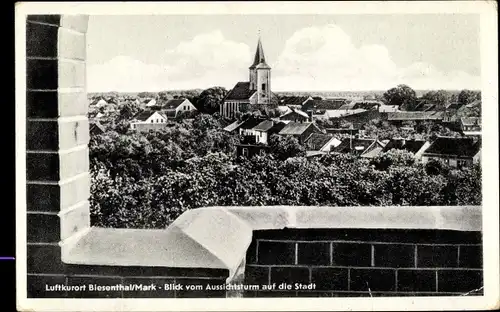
58,183
371,262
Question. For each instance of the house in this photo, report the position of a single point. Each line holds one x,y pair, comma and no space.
295,115
246,127
322,142
265,129
337,113
96,128
151,103
450,115
295,101
456,152
319,106
148,119
470,124
405,116
283,109
383,108
416,147
250,150
234,127
299,130
253,94
172,108
367,148
366,104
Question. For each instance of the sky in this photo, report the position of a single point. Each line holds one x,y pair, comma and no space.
306,52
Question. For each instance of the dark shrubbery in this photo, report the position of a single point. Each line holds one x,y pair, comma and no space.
146,180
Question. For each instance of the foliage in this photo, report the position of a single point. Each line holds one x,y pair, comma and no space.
429,130
394,157
284,147
210,100
402,95
440,97
467,96
146,180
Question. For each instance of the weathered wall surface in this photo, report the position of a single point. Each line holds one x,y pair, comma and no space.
351,262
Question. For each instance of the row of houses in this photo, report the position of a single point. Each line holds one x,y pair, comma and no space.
303,108
156,115
457,152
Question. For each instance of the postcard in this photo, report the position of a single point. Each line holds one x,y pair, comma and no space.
265,156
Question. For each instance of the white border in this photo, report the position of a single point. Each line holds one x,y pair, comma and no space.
489,74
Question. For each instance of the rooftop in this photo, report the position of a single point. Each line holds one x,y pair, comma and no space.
411,146
464,147
241,91
295,128
317,140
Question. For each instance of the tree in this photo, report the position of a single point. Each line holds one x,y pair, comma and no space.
467,96
392,157
284,147
440,97
146,95
128,110
210,100
402,95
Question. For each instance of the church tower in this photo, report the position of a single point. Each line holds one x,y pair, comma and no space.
260,76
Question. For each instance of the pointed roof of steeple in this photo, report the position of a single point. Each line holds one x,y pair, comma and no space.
259,57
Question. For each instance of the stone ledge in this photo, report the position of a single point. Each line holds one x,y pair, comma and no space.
187,244
459,218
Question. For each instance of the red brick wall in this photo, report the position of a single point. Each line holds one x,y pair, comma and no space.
359,262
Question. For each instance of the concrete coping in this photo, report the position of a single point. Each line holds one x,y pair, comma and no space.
218,237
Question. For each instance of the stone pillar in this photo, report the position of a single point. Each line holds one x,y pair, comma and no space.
57,159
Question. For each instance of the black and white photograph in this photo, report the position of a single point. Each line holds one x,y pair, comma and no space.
250,151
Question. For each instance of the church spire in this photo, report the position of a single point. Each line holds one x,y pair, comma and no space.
259,55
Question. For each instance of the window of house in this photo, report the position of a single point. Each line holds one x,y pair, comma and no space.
245,152
263,87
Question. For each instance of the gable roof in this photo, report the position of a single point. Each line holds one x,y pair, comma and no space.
429,115
293,100
412,146
366,104
172,104
165,114
335,113
356,143
234,126
317,140
295,128
241,91
264,125
96,125
144,115
296,111
329,103
373,152
250,122
465,147
470,121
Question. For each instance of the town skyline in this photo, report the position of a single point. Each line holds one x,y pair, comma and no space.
313,53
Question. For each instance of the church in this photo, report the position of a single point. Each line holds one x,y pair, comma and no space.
254,94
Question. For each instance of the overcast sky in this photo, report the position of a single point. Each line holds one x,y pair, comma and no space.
306,52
